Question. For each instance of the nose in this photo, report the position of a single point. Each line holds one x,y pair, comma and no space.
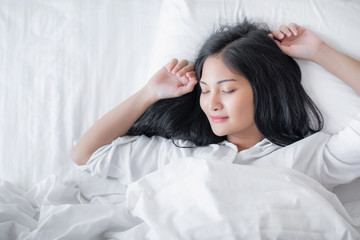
214,103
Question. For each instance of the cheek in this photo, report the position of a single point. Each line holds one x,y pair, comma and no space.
202,103
243,107
249,110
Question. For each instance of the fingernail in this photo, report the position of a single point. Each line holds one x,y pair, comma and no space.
281,35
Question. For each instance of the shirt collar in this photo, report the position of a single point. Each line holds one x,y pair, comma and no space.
260,149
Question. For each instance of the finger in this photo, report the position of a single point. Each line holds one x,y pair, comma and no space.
184,80
187,88
193,80
185,69
192,77
191,74
293,28
271,36
278,35
179,66
283,48
171,64
285,30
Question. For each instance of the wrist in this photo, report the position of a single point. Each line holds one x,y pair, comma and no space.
322,53
148,95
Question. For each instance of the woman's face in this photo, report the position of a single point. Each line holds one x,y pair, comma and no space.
227,100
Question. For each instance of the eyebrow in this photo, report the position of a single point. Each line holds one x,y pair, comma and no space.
221,81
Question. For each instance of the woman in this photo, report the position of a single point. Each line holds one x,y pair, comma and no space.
253,107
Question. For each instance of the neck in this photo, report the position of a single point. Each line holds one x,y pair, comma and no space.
245,141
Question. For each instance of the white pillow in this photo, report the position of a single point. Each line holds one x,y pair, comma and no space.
185,24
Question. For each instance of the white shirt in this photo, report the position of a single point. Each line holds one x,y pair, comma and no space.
329,159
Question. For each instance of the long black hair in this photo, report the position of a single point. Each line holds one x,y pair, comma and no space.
177,118
284,113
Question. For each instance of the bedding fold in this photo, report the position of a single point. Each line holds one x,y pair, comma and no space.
189,198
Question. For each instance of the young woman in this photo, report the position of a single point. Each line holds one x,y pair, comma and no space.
248,107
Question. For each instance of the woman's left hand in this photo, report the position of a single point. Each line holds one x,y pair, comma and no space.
297,41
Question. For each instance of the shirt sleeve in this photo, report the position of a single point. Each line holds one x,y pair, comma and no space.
345,145
342,153
329,159
128,158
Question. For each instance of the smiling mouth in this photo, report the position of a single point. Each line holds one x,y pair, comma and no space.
218,119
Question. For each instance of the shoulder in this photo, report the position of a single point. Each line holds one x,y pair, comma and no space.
140,139
309,143
170,149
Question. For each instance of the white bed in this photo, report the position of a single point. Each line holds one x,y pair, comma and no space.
64,64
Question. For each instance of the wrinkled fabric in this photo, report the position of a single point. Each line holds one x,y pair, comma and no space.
200,199
189,198
90,207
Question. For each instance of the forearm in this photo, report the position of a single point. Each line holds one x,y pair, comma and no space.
113,125
341,65
173,80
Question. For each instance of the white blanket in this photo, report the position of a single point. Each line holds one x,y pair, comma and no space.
64,64
187,199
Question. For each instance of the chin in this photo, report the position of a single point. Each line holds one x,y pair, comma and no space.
219,133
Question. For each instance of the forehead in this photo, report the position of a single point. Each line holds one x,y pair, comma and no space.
215,70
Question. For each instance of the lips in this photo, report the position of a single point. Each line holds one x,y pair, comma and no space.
218,119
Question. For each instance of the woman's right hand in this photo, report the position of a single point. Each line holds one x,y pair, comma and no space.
173,80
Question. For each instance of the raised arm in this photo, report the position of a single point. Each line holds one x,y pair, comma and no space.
172,80
300,43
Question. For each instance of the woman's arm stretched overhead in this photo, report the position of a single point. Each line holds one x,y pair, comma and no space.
173,80
339,153
299,42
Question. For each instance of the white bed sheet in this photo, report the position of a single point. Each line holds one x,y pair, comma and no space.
64,64
188,198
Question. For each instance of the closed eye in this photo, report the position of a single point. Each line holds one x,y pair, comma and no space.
230,91
204,92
